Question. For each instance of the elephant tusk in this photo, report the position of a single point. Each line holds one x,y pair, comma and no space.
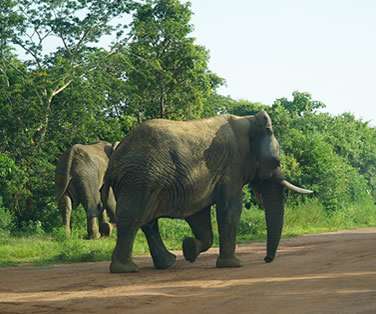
294,188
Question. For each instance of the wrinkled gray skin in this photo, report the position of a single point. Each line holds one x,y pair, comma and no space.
180,169
78,178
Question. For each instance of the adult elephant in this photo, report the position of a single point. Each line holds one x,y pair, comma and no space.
180,169
78,179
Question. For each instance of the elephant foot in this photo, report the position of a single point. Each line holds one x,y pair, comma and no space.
228,262
118,267
190,249
105,229
165,261
268,259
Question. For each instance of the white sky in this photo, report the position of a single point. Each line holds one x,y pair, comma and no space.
267,49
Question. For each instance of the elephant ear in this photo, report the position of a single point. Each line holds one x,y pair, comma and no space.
263,120
260,124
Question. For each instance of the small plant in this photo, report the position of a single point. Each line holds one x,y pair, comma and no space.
59,234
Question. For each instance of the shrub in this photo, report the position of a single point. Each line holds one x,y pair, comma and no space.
6,220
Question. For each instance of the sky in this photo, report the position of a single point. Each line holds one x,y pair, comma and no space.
267,49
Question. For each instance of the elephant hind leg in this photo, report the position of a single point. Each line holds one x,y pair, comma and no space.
107,216
200,224
121,261
162,258
92,205
92,228
65,206
133,211
92,211
105,228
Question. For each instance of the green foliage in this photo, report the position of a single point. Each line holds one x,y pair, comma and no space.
326,152
80,92
218,104
12,182
168,74
301,104
57,96
252,224
335,182
6,220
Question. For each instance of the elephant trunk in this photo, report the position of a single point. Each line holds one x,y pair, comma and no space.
274,214
271,194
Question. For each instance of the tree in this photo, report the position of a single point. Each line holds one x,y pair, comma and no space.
78,25
301,103
218,104
61,93
168,73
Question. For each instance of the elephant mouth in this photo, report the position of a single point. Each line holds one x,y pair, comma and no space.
277,177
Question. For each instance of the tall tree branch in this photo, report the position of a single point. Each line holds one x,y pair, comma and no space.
59,90
36,58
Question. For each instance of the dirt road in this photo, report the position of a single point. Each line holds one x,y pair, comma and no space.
327,273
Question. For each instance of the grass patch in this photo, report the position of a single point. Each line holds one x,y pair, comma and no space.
309,217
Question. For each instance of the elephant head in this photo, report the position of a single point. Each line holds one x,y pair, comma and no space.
268,182
264,146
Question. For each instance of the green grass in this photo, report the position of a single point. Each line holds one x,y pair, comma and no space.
55,248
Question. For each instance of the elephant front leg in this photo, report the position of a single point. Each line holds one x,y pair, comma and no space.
162,258
200,224
228,216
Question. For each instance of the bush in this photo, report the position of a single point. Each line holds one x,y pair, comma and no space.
252,224
335,181
6,220
73,250
12,181
29,228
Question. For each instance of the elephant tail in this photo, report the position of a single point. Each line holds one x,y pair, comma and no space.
105,190
62,173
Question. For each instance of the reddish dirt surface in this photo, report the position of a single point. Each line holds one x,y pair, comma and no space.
327,273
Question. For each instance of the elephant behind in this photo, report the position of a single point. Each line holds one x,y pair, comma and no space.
78,179
179,169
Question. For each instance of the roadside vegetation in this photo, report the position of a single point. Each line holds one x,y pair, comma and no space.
39,247
89,87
